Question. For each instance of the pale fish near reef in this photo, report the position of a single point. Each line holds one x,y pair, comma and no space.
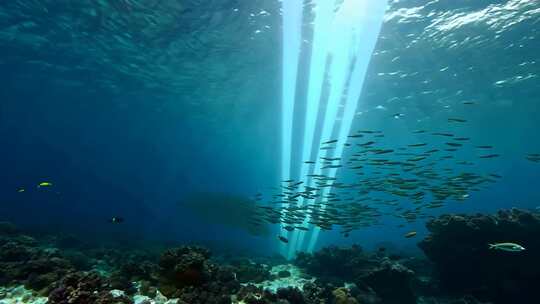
507,247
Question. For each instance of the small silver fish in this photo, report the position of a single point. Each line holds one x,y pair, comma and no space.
507,247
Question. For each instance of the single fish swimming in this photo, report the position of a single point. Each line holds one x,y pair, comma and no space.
410,234
512,247
116,220
283,239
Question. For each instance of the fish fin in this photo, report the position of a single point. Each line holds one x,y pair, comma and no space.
491,246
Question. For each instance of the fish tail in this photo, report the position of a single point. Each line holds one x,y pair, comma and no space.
491,246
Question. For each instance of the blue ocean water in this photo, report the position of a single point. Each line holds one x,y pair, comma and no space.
127,107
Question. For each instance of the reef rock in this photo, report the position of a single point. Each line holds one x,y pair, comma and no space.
342,296
85,288
373,273
250,294
314,294
391,281
291,276
185,266
188,274
19,295
250,272
337,264
134,269
459,247
22,261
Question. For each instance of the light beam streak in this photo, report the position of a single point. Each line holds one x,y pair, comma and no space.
363,37
346,37
292,37
323,20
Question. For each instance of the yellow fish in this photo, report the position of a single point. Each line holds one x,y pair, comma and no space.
44,184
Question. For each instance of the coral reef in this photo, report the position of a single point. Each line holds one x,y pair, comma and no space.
375,275
20,295
311,294
315,294
450,300
391,281
23,261
458,246
251,294
250,272
146,294
185,266
291,295
283,276
336,263
85,288
342,296
135,268
188,274
461,269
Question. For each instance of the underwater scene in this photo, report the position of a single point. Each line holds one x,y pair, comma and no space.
270,151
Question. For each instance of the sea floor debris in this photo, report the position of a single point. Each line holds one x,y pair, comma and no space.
20,295
283,276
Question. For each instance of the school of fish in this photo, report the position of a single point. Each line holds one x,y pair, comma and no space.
403,181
